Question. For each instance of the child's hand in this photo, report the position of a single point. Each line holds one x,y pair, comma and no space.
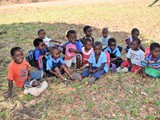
114,59
7,94
94,71
71,50
90,70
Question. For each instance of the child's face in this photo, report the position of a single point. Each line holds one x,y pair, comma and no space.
105,33
55,53
42,34
97,50
41,46
88,45
18,57
112,45
156,52
72,38
89,32
134,45
135,35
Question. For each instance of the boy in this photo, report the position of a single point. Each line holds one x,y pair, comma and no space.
114,52
40,49
151,64
72,36
134,56
18,71
97,65
55,64
105,37
46,40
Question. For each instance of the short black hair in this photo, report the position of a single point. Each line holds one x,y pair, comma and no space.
134,30
70,32
14,49
54,48
97,43
41,30
137,40
86,28
104,29
87,40
153,46
111,40
37,41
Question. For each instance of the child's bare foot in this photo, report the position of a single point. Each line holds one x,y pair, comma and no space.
92,80
35,83
7,94
77,76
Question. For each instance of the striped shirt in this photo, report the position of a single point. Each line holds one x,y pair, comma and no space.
150,61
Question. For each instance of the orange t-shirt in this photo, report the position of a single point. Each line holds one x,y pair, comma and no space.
18,72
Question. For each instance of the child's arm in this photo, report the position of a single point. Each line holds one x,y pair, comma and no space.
54,40
75,51
90,68
99,68
9,91
142,48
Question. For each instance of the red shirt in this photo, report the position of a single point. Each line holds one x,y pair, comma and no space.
18,72
86,54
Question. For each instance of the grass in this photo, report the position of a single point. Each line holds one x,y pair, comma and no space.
116,97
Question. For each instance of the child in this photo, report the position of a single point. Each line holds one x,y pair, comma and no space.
114,52
151,64
88,34
75,58
46,40
105,37
134,56
134,34
40,49
86,52
19,72
97,65
55,64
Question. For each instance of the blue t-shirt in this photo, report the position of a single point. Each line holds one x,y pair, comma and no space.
102,59
52,61
113,53
38,53
149,61
77,44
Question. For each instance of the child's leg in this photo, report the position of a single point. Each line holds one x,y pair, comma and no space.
85,73
78,61
68,63
57,70
64,67
125,64
135,68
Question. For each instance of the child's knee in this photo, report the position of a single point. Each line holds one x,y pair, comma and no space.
56,70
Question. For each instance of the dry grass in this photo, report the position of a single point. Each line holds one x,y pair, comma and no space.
118,96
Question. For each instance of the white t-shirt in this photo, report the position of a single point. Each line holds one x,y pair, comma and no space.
104,41
136,56
47,40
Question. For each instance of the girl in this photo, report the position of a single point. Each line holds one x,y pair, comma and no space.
88,34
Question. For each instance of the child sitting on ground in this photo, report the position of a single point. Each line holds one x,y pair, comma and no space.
46,40
134,34
86,52
114,52
40,49
19,72
97,65
151,64
88,34
73,50
105,37
56,65
134,56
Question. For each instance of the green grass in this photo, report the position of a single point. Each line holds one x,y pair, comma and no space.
117,96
